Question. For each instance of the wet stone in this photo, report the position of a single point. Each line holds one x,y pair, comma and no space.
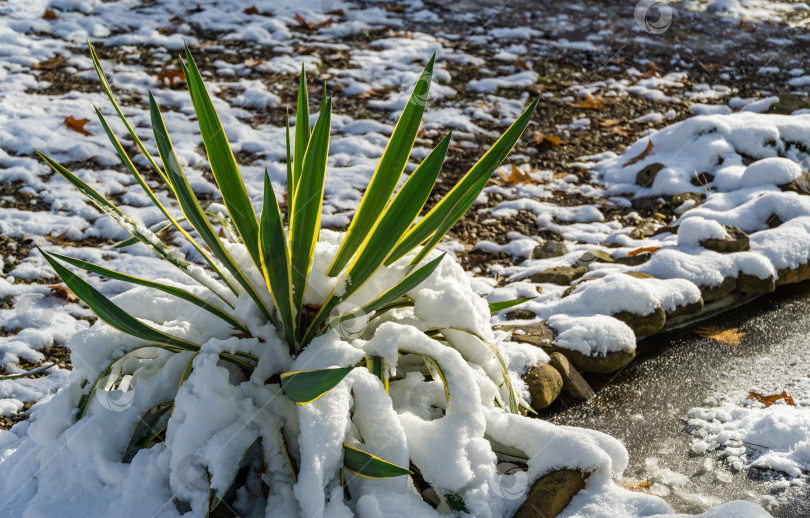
610,362
751,284
646,229
735,241
688,309
634,260
551,494
711,293
574,385
561,275
643,325
595,256
549,249
520,314
544,384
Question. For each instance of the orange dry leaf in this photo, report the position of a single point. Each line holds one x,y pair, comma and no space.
644,154
590,103
313,26
609,123
169,75
651,249
50,64
652,70
521,63
251,10
730,337
336,12
395,8
50,14
250,62
77,125
642,486
517,176
59,291
541,139
771,399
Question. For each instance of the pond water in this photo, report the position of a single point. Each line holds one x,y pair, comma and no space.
645,404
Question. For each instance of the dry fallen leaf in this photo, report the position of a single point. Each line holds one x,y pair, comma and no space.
730,337
395,8
651,249
709,68
59,291
77,125
642,486
313,26
251,10
770,399
50,64
50,14
609,123
517,176
644,154
589,103
652,70
543,140
336,12
169,75
251,63
521,63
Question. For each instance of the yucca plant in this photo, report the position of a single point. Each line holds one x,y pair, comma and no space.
262,274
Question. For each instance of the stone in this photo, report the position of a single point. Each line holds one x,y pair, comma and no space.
520,314
773,221
595,256
680,199
789,103
574,385
666,229
643,230
702,179
711,293
549,249
646,203
735,241
687,309
610,362
646,176
643,325
561,275
537,334
800,185
544,384
551,494
751,284
793,275
634,260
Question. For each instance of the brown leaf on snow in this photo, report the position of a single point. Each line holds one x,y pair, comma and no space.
50,14
521,63
651,249
77,125
59,291
336,12
644,154
730,337
517,176
50,64
169,75
642,486
395,8
770,399
251,63
313,26
543,140
251,10
652,70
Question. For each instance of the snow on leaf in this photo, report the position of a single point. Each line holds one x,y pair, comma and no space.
730,337
769,400
641,486
644,154
77,125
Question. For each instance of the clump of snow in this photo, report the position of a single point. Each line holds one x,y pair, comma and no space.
770,171
592,335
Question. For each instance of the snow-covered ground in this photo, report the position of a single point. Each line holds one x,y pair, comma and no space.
369,57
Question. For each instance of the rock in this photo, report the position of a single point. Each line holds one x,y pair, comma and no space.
551,494
646,229
735,241
520,314
611,362
793,275
639,275
549,249
710,293
634,260
751,284
561,275
688,309
574,385
646,176
595,256
773,221
643,325
680,199
537,334
646,203
702,179
666,229
789,103
545,385
800,185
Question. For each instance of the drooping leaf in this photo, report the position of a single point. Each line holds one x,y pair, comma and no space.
389,170
222,162
495,307
171,290
376,366
251,453
366,465
461,197
152,422
304,387
37,370
276,259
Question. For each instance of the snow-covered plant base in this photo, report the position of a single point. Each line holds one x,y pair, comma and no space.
66,467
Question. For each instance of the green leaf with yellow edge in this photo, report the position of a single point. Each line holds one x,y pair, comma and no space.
495,307
366,465
304,387
302,135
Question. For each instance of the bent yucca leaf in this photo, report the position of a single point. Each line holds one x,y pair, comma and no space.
37,370
304,387
389,170
366,465
495,307
171,290
112,314
276,259
461,197
222,162
153,421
